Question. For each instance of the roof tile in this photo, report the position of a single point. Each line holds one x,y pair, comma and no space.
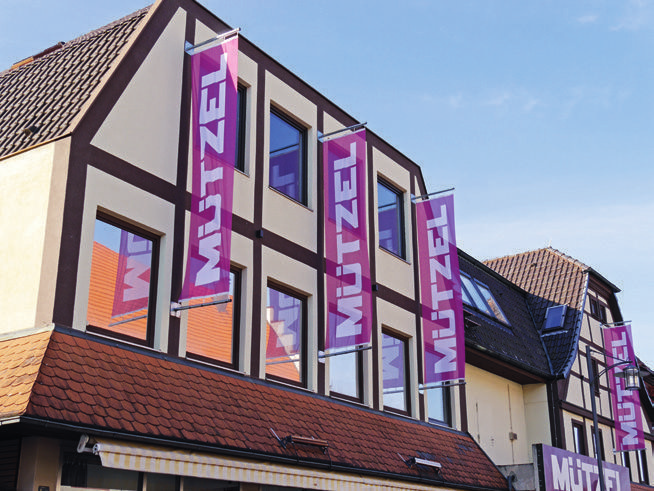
50,91
237,416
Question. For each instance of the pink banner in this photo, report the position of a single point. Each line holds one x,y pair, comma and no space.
214,152
626,403
349,292
440,290
133,275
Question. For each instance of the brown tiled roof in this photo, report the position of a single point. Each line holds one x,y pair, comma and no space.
552,278
50,91
96,384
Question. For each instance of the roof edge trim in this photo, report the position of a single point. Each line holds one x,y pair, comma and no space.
117,62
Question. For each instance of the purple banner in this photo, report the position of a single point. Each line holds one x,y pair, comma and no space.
133,274
214,152
626,403
285,321
349,292
566,471
440,291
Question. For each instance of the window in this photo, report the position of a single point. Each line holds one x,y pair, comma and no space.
601,445
121,292
641,458
579,438
478,295
390,215
288,157
395,374
241,106
285,336
596,372
345,375
438,405
626,462
555,317
597,310
212,330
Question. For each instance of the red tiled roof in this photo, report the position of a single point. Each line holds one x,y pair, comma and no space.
92,383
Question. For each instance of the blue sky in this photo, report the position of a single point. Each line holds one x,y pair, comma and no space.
541,114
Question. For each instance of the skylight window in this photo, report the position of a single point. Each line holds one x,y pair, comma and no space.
555,317
479,296
473,294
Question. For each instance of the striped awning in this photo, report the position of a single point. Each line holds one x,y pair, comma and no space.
145,458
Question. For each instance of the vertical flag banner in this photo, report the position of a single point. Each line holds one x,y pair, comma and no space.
132,290
626,403
440,290
349,292
214,111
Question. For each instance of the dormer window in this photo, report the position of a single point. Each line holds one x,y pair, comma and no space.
555,317
479,296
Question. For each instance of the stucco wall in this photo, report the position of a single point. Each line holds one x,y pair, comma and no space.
496,408
32,192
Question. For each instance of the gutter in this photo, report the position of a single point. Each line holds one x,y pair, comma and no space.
244,454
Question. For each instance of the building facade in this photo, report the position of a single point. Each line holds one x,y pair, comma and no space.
100,393
134,394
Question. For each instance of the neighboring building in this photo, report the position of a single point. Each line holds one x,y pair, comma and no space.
94,145
569,302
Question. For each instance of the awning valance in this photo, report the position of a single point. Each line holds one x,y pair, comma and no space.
146,458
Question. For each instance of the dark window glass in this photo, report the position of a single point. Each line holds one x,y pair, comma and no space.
643,475
555,317
390,218
579,438
345,375
597,310
394,356
212,330
288,157
601,445
626,462
596,372
122,283
239,162
285,336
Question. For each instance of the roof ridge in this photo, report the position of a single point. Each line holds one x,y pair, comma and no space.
547,249
73,42
568,258
106,27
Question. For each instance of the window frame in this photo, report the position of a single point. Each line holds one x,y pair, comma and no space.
303,151
304,328
359,367
236,328
407,375
401,230
601,443
241,115
154,276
